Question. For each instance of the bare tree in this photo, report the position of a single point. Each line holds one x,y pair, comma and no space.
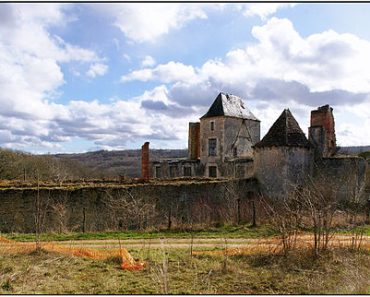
130,212
313,206
60,211
285,217
58,171
41,208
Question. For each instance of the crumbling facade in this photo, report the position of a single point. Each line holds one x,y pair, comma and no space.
321,132
220,145
226,143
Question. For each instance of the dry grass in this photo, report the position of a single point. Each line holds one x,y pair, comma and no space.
127,261
104,183
175,271
273,245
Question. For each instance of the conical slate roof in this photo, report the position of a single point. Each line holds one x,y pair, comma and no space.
285,132
229,105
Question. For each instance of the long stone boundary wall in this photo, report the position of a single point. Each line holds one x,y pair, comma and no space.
140,206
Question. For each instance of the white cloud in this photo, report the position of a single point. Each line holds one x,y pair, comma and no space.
31,73
282,68
30,59
97,69
146,22
148,61
321,62
263,10
170,72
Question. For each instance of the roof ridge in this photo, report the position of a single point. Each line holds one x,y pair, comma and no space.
229,105
285,132
286,125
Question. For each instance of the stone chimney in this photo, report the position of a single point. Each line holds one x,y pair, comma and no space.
145,161
194,141
322,131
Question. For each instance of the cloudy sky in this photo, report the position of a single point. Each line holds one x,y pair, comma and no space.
81,77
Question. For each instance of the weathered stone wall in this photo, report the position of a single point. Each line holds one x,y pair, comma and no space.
205,134
145,174
322,131
345,174
176,168
231,133
240,135
280,168
194,141
127,207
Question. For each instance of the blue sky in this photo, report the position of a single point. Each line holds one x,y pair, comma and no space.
80,77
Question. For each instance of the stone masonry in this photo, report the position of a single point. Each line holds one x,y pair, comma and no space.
145,161
322,132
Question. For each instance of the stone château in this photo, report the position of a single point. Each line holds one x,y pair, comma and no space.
226,143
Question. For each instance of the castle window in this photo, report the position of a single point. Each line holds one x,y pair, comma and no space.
212,171
212,126
212,147
158,173
235,151
187,171
173,170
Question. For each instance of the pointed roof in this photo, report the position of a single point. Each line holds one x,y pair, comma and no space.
231,106
284,132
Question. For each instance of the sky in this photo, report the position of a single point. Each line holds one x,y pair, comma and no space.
80,77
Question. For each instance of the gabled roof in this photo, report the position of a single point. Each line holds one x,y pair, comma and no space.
231,106
284,132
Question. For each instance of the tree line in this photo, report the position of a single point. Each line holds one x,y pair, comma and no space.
17,165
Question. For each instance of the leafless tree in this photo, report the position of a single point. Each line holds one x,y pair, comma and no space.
61,212
41,209
285,216
58,171
128,211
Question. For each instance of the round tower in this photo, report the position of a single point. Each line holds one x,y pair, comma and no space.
283,158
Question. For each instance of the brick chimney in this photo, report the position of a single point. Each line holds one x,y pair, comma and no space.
194,141
322,131
145,161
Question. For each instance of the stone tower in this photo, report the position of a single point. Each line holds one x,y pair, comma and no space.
283,158
227,131
321,132
194,141
145,173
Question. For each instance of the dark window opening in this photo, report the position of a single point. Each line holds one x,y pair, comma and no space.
212,171
212,147
187,171
235,152
158,172
212,126
173,171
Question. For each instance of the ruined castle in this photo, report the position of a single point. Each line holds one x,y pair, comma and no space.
225,147
226,143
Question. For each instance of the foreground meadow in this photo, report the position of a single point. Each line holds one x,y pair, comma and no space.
188,265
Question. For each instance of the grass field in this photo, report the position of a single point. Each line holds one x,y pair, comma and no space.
242,231
176,272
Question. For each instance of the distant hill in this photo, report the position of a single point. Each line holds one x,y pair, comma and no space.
354,150
124,162
98,164
17,165
128,162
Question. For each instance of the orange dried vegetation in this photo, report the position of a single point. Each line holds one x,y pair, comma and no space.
274,245
127,261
